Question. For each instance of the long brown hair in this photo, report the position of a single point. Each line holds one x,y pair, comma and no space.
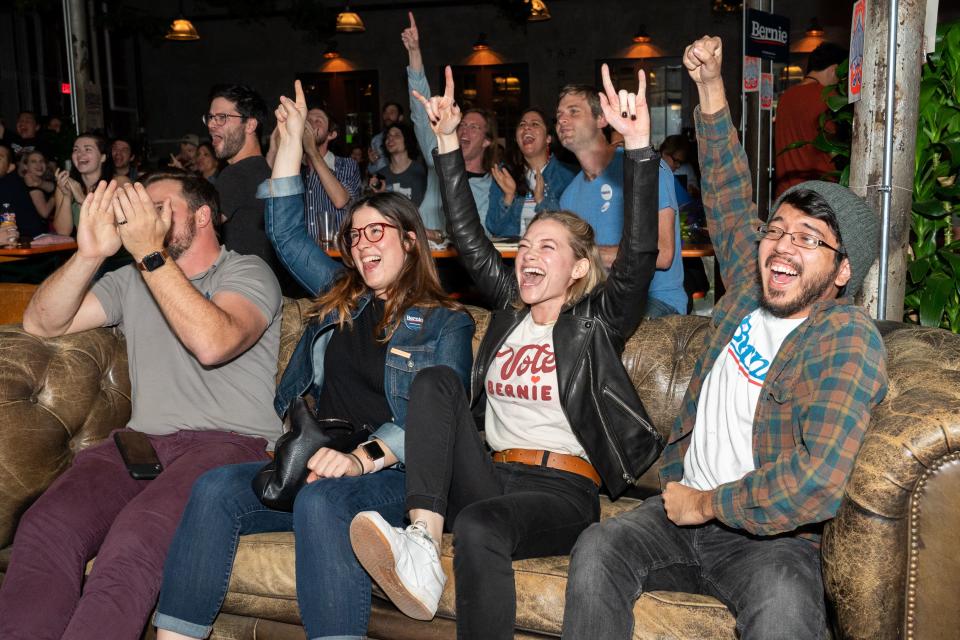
417,284
516,163
584,244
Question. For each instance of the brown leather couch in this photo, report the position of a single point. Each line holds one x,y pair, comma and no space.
891,565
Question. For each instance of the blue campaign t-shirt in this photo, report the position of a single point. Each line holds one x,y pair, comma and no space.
600,202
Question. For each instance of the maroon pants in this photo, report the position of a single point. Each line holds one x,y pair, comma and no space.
97,509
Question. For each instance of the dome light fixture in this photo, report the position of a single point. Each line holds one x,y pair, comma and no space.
539,12
182,29
641,36
331,52
349,22
814,30
481,43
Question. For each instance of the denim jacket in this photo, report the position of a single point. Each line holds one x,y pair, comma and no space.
503,220
427,336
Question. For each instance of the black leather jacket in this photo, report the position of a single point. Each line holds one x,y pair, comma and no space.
595,391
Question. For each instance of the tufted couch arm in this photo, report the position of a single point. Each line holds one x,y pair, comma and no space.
57,396
890,558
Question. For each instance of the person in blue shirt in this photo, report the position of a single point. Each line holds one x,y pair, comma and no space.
530,181
596,195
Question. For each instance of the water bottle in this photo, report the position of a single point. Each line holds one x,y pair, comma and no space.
9,235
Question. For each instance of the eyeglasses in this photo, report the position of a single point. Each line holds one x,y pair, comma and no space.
797,238
373,232
473,126
219,119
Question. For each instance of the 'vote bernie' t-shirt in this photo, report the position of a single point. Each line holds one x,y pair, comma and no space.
523,401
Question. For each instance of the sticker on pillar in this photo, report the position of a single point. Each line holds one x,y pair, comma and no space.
751,74
766,91
857,35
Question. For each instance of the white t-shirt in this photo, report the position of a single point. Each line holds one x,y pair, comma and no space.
523,401
721,446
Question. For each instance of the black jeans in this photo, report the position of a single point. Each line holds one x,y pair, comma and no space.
772,585
498,512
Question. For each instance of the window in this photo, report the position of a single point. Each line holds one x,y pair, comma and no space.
668,91
353,98
504,88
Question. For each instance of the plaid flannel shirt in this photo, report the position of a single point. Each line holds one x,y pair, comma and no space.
815,404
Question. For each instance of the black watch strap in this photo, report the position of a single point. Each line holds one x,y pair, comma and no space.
153,261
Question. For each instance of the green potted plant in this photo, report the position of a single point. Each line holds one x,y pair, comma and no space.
933,288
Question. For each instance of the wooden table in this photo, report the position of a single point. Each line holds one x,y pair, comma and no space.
22,253
696,250
510,251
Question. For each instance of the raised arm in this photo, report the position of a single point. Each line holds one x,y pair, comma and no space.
478,255
623,298
337,192
283,211
63,303
417,84
727,188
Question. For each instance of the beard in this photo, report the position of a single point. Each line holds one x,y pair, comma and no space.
177,243
232,143
812,290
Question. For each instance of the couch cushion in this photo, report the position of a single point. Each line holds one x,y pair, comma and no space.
263,585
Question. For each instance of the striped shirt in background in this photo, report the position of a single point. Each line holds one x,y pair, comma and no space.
317,204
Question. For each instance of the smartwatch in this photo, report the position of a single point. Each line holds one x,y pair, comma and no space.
153,261
373,451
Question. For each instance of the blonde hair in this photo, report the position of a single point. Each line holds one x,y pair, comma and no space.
583,242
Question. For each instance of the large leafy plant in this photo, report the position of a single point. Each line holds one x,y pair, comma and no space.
933,289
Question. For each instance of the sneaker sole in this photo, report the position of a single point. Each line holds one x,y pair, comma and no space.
375,554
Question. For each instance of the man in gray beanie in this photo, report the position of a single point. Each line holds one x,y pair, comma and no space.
774,415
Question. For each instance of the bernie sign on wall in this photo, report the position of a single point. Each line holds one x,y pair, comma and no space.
768,36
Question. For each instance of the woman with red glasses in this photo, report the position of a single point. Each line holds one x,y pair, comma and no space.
377,320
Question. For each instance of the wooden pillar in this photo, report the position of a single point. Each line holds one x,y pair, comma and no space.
866,158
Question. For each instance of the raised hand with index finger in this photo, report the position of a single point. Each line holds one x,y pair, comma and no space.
291,124
442,111
411,36
625,111
292,114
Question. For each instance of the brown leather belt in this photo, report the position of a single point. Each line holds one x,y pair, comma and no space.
541,458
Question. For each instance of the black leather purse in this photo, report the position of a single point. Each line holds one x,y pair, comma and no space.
278,483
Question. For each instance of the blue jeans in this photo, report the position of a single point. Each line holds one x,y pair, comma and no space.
772,585
659,309
333,590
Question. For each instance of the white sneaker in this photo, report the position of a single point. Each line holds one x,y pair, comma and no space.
404,562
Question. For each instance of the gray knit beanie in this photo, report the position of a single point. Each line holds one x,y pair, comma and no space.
859,226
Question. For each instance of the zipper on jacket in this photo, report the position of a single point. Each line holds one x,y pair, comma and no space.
633,414
613,445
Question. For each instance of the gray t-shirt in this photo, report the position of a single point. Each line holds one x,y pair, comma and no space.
171,390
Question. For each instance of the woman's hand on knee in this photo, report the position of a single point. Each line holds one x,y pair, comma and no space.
327,463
